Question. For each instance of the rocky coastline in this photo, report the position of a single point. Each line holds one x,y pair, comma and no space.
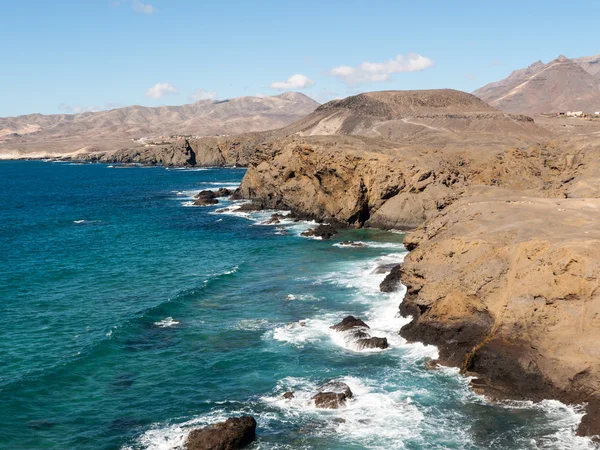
502,274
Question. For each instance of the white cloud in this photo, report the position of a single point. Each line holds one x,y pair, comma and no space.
294,82
77,108
143,8
201,94
370,72
160,90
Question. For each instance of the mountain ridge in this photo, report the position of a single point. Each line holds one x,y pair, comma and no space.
562,84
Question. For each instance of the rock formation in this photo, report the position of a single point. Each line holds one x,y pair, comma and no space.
332,395
507,287
233,434
391,282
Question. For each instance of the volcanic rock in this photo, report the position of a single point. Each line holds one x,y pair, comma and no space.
392,280
205,198
332,395
323,231
373,342
234,433
348,323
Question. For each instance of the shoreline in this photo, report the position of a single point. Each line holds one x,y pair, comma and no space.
494,388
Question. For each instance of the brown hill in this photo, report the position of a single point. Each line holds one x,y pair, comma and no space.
560,85
434,117
109,129
590,64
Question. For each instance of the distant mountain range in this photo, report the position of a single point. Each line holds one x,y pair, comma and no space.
204,118
561,85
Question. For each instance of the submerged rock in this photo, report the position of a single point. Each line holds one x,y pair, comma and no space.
323,231
332,395
373,342
348,323
205,198
232,434
392,280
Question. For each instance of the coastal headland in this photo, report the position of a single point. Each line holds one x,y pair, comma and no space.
502,213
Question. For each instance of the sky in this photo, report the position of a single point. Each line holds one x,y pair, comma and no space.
67,56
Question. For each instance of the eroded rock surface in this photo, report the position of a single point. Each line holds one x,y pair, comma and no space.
332,395
507,287
233,434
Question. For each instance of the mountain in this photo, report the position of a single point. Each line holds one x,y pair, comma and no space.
561,85
590,64
413,117
105,129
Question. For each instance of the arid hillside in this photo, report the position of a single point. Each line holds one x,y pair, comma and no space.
110,130
561,85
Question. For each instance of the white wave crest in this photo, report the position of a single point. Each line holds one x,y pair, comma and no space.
167,322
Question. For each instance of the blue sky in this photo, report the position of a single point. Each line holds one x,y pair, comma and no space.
75,55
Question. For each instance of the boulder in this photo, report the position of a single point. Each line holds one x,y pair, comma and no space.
289,395
232,434
323,231
348,323
373,342
205,198
332,395
392,280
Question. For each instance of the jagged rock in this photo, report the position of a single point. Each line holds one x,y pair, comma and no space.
332,395
373,342
249,207
348,323
385,268
223,192
392,280
205,198
274,219
289,395
323,231
234,433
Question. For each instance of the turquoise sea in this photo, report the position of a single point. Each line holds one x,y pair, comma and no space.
128,317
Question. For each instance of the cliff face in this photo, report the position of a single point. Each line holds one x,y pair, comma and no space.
361,181
507,287
503,272
201,152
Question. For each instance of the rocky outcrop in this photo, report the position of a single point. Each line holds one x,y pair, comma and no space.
233,434
372,342
205,198
507,287
332,395
357,333
363,182
322,231
391,282
349,323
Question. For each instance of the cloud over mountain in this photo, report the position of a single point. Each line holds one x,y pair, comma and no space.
160,90
297,81
371,72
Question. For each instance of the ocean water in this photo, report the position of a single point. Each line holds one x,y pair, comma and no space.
128,317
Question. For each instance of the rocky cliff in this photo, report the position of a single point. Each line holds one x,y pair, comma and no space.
503,273
507,287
